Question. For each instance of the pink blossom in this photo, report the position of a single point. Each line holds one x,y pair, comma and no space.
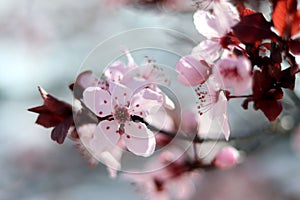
214,25
213,102
226,158
217,23
234,73
116,107
146,76
118,70
192,71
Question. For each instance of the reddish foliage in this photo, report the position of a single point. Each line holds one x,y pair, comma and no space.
252,28
54,113
286,17
295,46
266,94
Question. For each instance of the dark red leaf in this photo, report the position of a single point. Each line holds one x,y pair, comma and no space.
59,133
262,82
287,79
54,113
48,120
271,108
294,46
276,57
252,28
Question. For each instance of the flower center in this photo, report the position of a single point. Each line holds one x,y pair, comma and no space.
121,114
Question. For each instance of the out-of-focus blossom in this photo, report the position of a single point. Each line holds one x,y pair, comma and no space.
168,5
192,71
174,181
189,122
227,157
234,73
116,107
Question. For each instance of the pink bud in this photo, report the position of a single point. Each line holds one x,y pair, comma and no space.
226,158
192,71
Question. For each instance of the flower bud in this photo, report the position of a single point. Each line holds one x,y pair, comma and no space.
226,158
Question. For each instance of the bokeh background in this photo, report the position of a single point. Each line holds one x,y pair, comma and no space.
44,43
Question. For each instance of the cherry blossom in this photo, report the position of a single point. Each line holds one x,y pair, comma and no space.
118,70
213,102
234,73
226,158
148,75
192,71
214,25
117,106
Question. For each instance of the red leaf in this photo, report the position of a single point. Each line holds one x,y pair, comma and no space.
59,133
243,10
54,113
285,17
271,108
262,82
252,28
294,46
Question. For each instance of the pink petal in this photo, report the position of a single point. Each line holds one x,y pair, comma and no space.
226,14
139,139
227,157
115,71
235,73
145,102
105,137
209,50
97,100
192,71
207,24
120,94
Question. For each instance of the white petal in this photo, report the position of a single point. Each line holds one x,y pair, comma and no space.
139,139
105,137
97,100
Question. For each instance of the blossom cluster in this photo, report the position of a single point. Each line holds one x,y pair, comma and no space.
243,56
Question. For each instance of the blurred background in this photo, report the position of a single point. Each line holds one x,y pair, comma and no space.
44,43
